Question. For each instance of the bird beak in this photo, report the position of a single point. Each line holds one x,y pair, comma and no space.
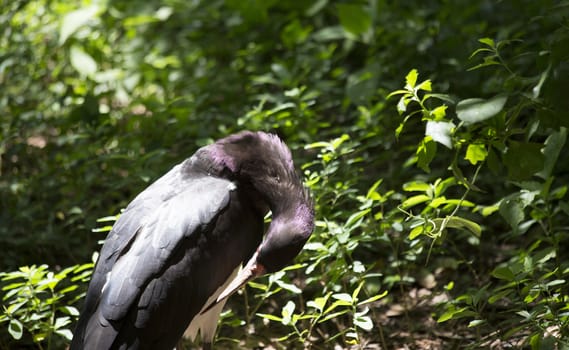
250,271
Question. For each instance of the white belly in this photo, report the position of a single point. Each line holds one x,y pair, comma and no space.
206,323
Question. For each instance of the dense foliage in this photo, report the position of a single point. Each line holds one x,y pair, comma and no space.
431,133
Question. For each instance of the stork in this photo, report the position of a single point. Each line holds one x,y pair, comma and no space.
170,261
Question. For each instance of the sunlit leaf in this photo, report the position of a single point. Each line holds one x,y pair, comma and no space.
476,153
411,79
412,201
15,329
363,322
372,299
475,110
270,317
82,61
426,153
440,132
75,20
462,223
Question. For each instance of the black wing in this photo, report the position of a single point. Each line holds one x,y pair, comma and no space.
139,247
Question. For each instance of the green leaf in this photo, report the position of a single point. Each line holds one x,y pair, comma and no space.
462,223
411,79
416,186
426,153
363,322
344,297
440,132
372,192
475,110
412,201
553,146
316,7
439,113
425,86
288,286
523,159
288,312
82,61
475,153
70,310
270,317
15,329
72,21
487,41
331,34
416,232
475,323
449,314
318,303
372,299
504,273
512,211
354,218
499,295
355,18
65,333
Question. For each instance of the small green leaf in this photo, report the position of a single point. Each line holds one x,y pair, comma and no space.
512,211
425,86
356,217
344,297
487,41
439,113
372,299
553,146
426,153
476,153
440,132
65,333
416,232
412,201
363,322
499,295
449,314
270,317
15,329
355,18
417,186
288,286
318,303
372,192
523,159
256,285
82,61
476,323
475,110
462,223
504,273
288,312
411,79
70,310
331,33
72,21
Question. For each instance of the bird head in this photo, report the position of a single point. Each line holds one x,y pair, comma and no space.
275,179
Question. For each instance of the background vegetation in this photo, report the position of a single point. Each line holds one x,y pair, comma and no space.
432,134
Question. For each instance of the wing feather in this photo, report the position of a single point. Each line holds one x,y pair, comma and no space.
174,208
176,219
